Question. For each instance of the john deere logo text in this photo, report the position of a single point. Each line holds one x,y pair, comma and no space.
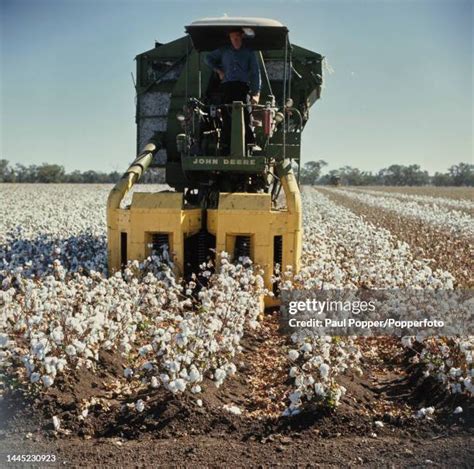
225,161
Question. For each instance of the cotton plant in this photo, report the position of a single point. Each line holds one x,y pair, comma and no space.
204,340
350,254
315,364
65,320
439,215
59,311
442,202
449,360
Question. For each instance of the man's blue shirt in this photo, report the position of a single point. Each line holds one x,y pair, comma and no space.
238,65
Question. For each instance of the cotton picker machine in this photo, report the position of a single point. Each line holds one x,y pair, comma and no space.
219,202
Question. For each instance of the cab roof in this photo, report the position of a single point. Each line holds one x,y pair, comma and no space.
259,33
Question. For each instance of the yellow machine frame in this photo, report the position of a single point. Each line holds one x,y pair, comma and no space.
130,228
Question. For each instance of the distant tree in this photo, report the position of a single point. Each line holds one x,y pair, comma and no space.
399,175
462,174
5,172
442,179
391,176
26,173
415,176
114,176
74,177
90,176
349,176
311,172
50,173
21,173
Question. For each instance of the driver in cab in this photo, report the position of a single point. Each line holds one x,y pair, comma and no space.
239,72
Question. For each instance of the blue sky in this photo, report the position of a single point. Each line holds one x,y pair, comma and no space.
401,91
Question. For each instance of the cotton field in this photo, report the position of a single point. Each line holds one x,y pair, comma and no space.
60,312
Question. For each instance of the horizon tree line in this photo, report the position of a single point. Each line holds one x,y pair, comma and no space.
461,174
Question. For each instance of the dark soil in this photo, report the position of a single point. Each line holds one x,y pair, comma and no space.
176,431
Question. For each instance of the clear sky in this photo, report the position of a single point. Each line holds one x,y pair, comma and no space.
401,90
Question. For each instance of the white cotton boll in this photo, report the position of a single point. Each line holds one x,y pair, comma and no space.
425,412
458,410
148,366
61,363
324,370
127,372
174,366
254,324
180,384
319,390
145,350
456,388
139,405
47,381
407,341
3,340
293,371
454,372
164,378
70,350
108,344
56,423
171,386
196,389
233,409
194,375
295,397
220,374
57,335
154,382
299,381
430,410
230,369
50,368
293,355
181,340
35,377
306,347
199,402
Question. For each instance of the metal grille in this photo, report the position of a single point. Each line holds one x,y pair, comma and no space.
277,259
242,247
123,249
159,242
